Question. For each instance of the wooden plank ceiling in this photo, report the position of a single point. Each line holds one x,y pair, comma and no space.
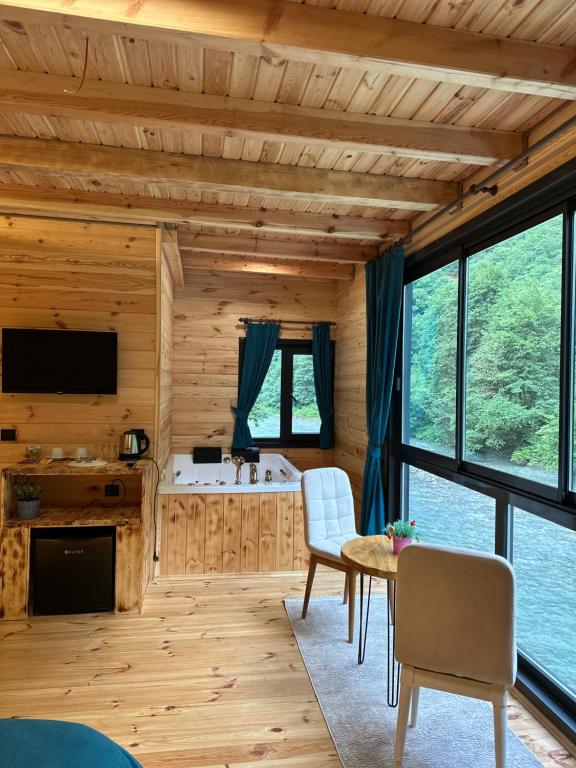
280,137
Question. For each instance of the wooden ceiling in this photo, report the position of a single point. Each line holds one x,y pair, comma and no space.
284,137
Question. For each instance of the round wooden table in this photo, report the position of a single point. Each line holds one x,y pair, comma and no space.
373,556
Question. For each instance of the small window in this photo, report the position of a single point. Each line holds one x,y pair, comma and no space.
286,412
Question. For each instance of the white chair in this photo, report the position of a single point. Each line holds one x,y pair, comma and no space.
329,523
455,632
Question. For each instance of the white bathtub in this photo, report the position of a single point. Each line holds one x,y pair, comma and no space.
187,477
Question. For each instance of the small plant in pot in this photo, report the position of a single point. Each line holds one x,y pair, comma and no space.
27,500
402,533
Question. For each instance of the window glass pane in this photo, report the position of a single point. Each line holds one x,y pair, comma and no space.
447,513
513,353
430,332
305,416
264,420
543,555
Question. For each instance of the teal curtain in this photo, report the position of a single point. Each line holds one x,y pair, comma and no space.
384,277
259,348
322,362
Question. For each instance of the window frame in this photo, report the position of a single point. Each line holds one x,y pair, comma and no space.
288,439
554,193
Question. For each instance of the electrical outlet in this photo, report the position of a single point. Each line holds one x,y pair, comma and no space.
8,435
111,489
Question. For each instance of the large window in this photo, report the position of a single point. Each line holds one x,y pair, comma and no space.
430,332
513,353
483,438
545,566
286,412
447,513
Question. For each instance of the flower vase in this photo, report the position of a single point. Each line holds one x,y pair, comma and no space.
398,544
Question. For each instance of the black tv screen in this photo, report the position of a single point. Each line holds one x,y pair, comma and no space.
63,362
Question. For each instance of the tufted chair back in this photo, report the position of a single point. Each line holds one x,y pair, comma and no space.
328,510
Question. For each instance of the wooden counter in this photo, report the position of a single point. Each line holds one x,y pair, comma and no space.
73,495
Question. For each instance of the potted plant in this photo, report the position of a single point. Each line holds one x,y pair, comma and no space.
402,533
27,500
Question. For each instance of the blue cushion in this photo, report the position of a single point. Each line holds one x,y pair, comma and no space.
55,744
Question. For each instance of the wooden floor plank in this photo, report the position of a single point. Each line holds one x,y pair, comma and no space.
209,676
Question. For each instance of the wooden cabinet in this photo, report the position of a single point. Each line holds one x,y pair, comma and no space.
74,495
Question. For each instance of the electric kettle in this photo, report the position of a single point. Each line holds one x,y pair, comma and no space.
133,444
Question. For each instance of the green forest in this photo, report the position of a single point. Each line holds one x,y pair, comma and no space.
265,416
512,352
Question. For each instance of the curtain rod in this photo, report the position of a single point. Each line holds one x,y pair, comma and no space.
487,185
246,320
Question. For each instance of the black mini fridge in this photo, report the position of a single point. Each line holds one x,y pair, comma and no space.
72,570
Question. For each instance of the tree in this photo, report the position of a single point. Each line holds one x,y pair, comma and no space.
512,350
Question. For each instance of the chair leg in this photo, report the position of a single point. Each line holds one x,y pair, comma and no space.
500,733
346,587
414,708
309,580
402,722
351,604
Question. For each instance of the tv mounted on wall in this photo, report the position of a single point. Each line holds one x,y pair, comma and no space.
59,361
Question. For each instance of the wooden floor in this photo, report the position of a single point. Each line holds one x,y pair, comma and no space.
209,676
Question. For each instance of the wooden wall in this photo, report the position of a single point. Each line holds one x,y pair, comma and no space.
350,376
206,333
88,276
165,344
232,533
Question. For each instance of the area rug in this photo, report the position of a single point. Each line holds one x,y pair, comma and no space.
452,731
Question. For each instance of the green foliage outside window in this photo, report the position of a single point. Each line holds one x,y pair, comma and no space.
512,351
265,416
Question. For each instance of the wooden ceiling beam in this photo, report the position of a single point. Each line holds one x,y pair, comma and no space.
163,108
286,30
219,175
285,267
137,209
283,249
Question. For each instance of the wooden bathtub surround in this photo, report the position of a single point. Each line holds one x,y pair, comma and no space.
231,533
74,496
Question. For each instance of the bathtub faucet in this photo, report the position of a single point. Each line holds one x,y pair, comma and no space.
238,461
253,474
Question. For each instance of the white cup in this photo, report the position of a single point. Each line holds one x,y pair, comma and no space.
57,453
81,453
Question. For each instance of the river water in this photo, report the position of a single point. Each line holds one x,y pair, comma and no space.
543,558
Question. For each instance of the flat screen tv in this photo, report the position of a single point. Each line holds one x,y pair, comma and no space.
62,362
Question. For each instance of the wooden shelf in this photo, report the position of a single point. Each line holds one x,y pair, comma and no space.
71,469
79,516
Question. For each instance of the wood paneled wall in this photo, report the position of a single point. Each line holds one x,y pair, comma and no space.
87,276
350,383
206,333
232,533
165,345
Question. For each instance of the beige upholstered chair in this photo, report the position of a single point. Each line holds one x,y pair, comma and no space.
455,631
328,524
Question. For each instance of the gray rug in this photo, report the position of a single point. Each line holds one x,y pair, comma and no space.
452,731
